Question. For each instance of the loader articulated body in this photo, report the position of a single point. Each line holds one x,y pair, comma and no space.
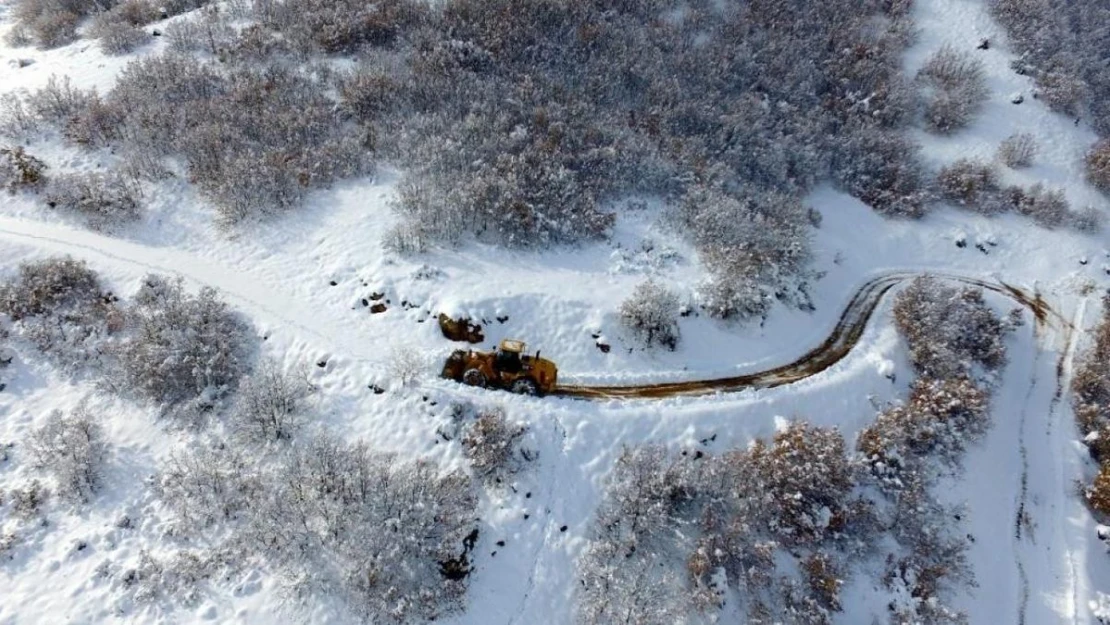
507,368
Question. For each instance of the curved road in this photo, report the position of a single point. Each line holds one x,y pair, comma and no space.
843,338
270,303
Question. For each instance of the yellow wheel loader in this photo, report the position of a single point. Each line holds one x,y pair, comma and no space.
507,368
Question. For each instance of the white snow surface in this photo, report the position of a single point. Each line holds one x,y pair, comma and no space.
1049,569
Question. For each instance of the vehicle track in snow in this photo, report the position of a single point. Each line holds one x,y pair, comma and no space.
845,335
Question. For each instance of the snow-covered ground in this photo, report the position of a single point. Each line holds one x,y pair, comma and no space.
1046,569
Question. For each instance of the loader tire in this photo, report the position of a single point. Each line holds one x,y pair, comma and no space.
525,386
473,377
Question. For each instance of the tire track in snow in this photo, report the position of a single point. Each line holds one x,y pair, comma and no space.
1064,369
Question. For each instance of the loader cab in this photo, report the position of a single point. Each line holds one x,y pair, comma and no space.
509,356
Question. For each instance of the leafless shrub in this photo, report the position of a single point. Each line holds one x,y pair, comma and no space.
1018,150
938,421
50,23
119,37
58,101
1062,88
1098,494
651,315
406,238
1091,388
207,485
1098,165
20,171
103,199
407,363
1087,219
970,184
749,520
492,444
1047,207
949,330
47,285
270,404
16,118
341,26
756,245
73,449
60,307
957,88
209,33
178,578
184,347
880,167
28,502
369,93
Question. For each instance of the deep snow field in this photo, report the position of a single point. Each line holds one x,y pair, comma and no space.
281,275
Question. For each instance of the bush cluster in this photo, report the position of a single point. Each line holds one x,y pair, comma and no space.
1062,47
975,185
951,331
102,199
1098,165
953,337
1017,150
59,305
937,421
955,85
116,23
389,537
554,110
255,140
756,246
492,444
650,314
1091,400
182,347
20,171
72,448
746,520
522,122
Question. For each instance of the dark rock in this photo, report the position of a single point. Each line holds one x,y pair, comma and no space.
984,44
1017,98
604,347
502,319
500,543
376,296
460,329
333,283
322,363
377,308
563,528
365,302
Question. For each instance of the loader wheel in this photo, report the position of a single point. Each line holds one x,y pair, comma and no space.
525,386
473,377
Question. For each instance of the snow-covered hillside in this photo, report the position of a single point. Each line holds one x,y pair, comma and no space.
305,280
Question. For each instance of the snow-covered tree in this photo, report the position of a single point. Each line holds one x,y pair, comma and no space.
72,448
651,315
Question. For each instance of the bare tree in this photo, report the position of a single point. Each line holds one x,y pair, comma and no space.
73,449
